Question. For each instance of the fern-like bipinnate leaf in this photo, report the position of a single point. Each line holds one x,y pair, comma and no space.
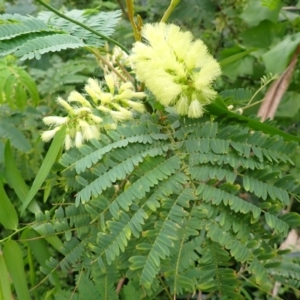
180,203
86,287
287,273
16,25
62,76
35,47
103,22
30,37
237,96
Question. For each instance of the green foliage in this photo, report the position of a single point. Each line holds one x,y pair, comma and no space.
17,88
19,127
16,137
103,22
29,37
162,207
271,4
8,215
13,258
165,202
237,96
62,76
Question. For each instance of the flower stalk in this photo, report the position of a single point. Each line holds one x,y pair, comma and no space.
169,10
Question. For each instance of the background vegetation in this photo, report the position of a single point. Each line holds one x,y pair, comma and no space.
44,238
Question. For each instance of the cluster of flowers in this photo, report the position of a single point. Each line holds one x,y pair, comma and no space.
115,100
176,69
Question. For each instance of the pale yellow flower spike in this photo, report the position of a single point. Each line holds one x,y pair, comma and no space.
176,69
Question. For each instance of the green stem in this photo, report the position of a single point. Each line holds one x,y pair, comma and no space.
104,37
251,105
165,288
125,72
262,86
169,10
251,283
219,110
17,231
130,13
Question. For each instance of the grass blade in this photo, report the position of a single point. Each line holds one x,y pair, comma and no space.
45,168
5,290
13,258
8,215
15,179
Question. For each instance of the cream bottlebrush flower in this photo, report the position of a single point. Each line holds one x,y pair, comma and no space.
177,69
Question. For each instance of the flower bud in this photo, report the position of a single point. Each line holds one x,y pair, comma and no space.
182,105
77,97
82,110
93,89
49,134
126,86
68,142
54,120
106,98
121,115
103,109
92,93
78,139
126,94
110,82
96,132
83,124
139,107
195,109
96,119
88,133
64,104
111,126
